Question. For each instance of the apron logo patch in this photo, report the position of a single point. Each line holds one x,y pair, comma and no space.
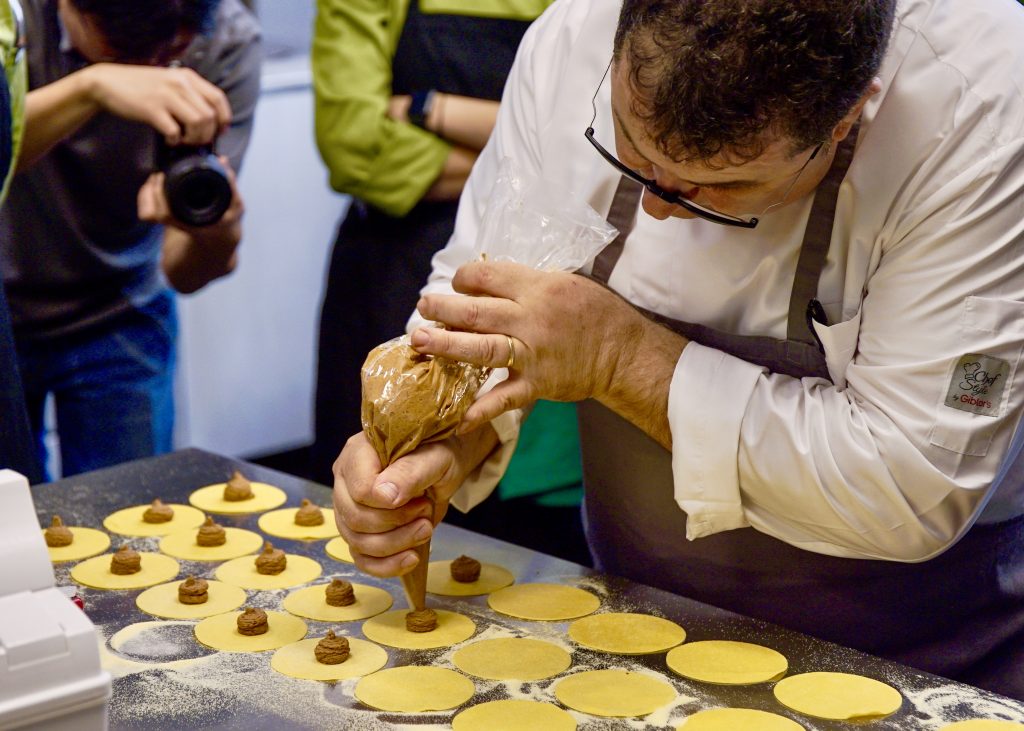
977,384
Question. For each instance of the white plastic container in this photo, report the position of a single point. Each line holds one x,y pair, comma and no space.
50,673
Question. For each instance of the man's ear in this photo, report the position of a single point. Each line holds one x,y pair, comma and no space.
841,130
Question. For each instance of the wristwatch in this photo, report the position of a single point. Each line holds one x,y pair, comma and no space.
420,106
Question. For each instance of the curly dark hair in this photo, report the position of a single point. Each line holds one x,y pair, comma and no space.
711,77
140,30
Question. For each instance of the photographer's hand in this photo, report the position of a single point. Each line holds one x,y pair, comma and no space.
192,257
177,102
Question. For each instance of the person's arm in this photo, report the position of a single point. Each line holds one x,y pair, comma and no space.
386,163
192,257
177,102
462,120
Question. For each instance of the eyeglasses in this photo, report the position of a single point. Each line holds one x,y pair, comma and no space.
675,198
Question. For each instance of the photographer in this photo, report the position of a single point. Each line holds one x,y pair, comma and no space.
88,240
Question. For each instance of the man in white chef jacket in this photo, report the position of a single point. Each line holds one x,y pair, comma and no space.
799,387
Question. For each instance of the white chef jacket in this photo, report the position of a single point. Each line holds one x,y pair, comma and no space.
923,285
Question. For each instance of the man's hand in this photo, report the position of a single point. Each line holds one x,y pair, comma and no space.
384,514
177,102
572,338
193,256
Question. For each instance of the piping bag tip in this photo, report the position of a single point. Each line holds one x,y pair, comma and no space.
415,582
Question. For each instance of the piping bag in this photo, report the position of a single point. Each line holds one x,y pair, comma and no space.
411,399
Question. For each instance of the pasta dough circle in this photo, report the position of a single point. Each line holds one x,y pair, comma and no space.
512,658
85,542
211,499
281,523
162,601
979,724
389,629
129,522
730,719
311,602
513,715
338,549
221,632
547,602
414,689
242,572
298,660
614,693
440,581
626,633
238,542
95,572
726,662
837,696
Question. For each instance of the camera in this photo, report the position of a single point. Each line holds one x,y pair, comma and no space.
195,182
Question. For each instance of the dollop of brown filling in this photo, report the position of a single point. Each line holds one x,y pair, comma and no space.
421,620
125,561
252,622
57,534
271,561
211,534
332,650
309,514
158,512
465,569
340,593
237,488
193,591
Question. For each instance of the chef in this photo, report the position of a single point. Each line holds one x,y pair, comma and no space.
797,362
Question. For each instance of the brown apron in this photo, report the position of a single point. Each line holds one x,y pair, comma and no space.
960,614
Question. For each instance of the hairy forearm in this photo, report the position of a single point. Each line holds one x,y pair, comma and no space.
641,373
191,261
53,112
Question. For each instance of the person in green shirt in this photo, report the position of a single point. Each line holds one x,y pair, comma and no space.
404,104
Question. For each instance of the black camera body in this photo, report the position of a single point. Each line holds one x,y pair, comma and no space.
195,182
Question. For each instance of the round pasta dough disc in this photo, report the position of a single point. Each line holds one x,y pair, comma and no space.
440,581
414,689
129,522
311,602
221,632
626,633
838,696
979,724
615,693
281,523
242,572
550,602
512,715
730,719
298,660
264,497
238,542
512,658
95,572
726,662
85,542
162,601
337,549
389,629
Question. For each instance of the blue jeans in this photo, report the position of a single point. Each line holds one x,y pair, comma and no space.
113,388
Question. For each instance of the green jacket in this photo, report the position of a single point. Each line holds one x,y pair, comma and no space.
13,60
385,163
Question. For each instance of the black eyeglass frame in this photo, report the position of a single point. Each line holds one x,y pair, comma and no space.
675,198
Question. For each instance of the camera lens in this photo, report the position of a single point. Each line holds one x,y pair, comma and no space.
198,190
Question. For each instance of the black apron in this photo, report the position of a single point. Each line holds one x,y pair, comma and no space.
960,615
380,262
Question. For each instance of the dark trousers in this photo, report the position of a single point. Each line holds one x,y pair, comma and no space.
16,451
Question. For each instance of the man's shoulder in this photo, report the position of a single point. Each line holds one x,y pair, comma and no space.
235,30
